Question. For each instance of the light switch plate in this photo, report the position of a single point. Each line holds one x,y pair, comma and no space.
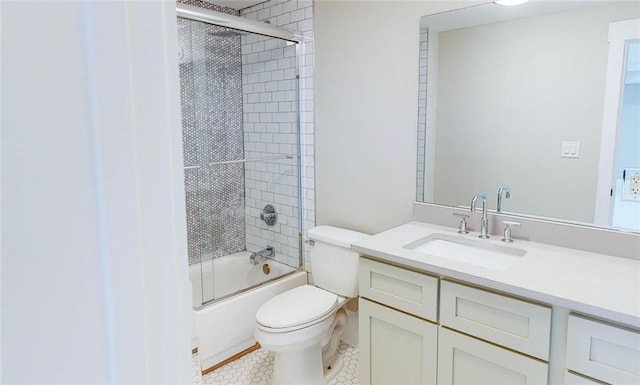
570,149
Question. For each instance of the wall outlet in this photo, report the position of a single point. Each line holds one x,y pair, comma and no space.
631,185
635,185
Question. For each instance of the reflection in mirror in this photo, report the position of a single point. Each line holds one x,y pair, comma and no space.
515,97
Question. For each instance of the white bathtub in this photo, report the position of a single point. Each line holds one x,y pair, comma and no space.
225,327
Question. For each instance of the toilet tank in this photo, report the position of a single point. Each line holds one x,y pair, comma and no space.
334,265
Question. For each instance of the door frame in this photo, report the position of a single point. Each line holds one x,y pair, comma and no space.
619,33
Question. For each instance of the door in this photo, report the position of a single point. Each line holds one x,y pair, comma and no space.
395,348
618,188
464,360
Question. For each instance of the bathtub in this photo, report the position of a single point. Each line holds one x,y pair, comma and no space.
224,328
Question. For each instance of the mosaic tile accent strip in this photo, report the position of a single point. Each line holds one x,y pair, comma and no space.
257,368
211,96
207,5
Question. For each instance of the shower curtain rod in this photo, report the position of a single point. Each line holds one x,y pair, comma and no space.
235,22
242,161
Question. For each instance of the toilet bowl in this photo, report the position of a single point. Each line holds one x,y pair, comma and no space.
303,326
296,326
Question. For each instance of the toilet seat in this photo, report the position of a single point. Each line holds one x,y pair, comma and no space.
295,309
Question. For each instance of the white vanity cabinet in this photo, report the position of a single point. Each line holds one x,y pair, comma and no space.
555,316
403,342
603,351
419,329
398,334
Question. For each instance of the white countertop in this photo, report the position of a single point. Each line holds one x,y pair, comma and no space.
589,283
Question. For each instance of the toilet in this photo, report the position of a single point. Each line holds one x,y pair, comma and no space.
303,326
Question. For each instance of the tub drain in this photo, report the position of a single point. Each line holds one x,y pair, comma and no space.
266,269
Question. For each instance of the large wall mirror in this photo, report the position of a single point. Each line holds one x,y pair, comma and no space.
542,99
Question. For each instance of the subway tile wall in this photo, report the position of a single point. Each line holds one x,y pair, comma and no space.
298,17
422,115
269,77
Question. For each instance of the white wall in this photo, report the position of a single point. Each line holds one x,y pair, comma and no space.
366,110
94,273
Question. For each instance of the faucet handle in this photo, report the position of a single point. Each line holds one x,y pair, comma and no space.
462,227
507,230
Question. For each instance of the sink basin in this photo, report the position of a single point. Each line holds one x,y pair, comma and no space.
475,252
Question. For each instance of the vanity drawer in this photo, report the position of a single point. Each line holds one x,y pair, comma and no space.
405,290
506,321
604,352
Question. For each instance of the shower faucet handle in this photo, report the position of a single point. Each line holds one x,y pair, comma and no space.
269,215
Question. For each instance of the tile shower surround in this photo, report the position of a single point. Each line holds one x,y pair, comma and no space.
269,128
296,16
269,71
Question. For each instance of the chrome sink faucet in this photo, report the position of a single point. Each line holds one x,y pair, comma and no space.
507,194
484,223
258,256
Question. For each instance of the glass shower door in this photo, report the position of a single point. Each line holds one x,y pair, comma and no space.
211,97
241,151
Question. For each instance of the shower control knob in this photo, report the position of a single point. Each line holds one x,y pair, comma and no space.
268,215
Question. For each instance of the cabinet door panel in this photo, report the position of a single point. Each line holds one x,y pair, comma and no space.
573,379
403,289
395,348
463,360
603,351
506,321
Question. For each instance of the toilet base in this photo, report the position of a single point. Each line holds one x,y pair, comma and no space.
304,367
332,370
300,367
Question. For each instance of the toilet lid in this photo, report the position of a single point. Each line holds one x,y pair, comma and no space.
297,306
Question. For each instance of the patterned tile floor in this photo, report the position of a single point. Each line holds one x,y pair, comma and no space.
255,369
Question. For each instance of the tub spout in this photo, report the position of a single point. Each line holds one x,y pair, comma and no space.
258,256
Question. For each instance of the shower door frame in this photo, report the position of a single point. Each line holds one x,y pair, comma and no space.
251,26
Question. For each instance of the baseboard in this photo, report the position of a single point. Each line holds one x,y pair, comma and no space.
232,358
